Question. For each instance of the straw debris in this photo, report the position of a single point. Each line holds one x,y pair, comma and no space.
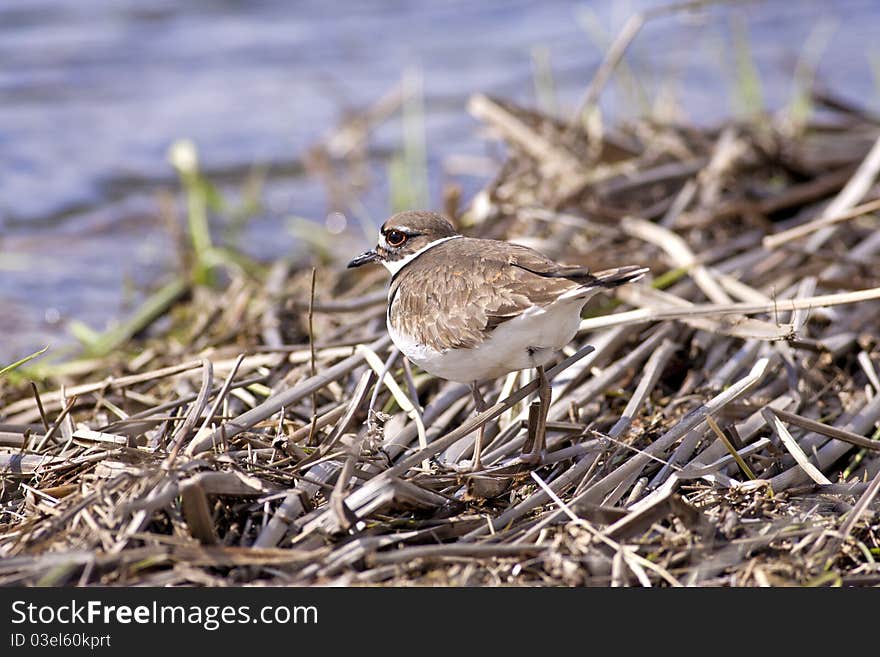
716,425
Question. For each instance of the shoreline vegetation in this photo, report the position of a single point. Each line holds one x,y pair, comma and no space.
717,425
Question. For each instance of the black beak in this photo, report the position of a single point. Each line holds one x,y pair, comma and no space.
364,258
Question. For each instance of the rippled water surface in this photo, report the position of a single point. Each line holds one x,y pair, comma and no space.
92,93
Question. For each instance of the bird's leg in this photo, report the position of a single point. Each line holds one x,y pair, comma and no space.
479,407
538,428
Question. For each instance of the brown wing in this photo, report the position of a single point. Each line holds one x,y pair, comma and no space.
468,286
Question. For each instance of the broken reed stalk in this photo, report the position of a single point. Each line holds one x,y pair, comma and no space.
312,368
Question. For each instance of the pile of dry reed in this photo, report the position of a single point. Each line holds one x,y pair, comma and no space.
722,430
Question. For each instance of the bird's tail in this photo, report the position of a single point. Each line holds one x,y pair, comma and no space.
619,276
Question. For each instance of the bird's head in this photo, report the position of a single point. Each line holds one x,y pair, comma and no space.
404,236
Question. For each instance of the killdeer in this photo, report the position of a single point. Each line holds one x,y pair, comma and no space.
468,310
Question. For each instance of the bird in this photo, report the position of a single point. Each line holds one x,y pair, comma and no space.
469,309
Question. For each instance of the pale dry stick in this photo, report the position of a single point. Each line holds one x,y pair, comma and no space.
294,504
490,413
554,158
411,387
195,412
624,177
533,501
858,511
696,470
862,253
739,327
739,290
122,382
679,204
512,415
650,375
708,310
793,448
774,241
826,430
684,450
20,463
417,409
613,435
618,48
629,553
593,387
337,496
680,253
746,429
575,451
312,369
637,491
612,58
853,192
455,551
270,321
303,432
13,438
360,499
440,412
691,421
364,498
805,289
354,132
50,434
348,305
605,344
357,398
393,355
631,360
162,494
136,421
406,405
622,554
726,151
652,370
289,397
218,400
833,449
617,572
868,368
744,356
621,488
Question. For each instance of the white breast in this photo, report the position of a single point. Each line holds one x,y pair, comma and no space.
520,343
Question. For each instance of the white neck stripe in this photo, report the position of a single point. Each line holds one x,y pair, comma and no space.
396,265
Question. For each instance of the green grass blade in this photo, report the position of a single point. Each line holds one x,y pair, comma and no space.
152,308
24,360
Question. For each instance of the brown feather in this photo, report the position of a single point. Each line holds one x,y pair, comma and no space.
467,287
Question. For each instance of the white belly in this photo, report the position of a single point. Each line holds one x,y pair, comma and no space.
527,341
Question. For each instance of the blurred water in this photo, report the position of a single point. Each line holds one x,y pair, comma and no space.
92,92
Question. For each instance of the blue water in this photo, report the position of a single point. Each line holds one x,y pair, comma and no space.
92,92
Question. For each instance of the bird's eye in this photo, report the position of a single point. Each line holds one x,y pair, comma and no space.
395,237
